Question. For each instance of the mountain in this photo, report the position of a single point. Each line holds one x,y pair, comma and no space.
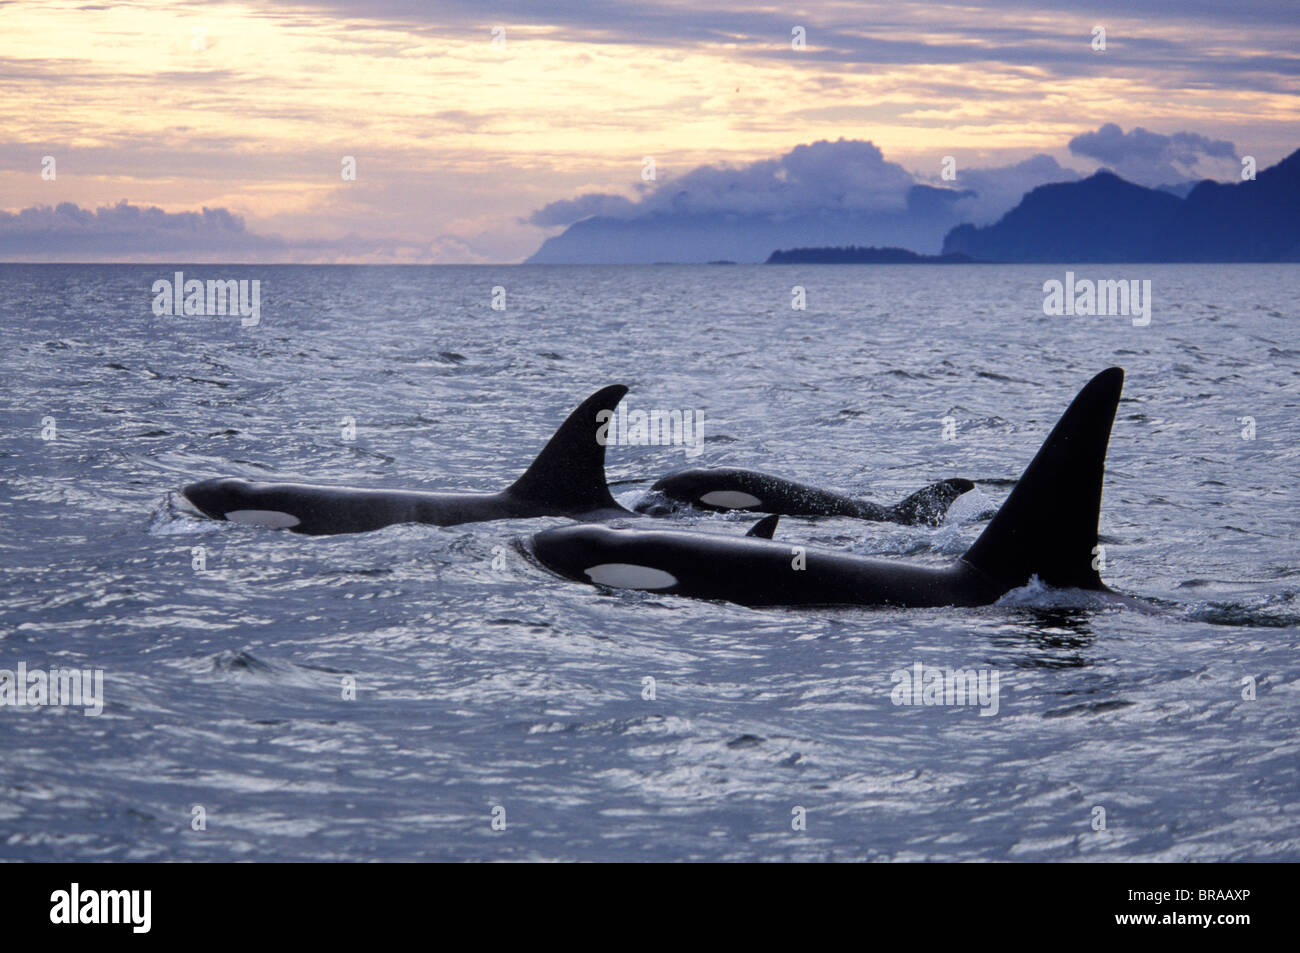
1102,218
1245,221
697,238
1106,219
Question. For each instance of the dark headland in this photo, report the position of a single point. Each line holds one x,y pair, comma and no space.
1104,218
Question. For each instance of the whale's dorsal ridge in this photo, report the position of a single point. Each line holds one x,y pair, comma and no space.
569,473
766,527
1048,525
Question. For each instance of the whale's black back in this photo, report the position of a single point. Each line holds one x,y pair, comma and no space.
1048,526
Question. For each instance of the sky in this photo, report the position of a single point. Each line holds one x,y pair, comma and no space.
150,131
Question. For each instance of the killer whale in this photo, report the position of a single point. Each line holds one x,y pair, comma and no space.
734,488
1046,528
566,479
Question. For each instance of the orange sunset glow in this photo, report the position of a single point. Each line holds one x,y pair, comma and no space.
465,119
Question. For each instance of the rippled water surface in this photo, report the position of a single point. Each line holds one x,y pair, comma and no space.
483,686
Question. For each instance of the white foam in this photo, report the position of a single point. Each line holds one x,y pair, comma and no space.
272,518
629,576
969,506
1036,594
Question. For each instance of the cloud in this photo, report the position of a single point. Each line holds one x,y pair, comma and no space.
1152,158
998,189
450,250
68,229
126,232
568,211
1047,36
848,175
845,176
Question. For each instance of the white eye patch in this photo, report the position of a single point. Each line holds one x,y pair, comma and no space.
730,499
272,518
628,576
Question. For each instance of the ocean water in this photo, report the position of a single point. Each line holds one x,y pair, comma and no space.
488,688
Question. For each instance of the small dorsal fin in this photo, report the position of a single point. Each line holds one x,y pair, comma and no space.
569,474
764,528
929,505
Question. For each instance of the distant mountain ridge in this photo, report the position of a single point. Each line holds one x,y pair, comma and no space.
1106,219
1102,218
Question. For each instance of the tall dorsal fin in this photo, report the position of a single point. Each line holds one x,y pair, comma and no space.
569,473
1048,525
765,528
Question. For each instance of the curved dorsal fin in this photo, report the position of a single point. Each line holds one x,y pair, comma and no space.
764,528
569,474
928,505
1048,525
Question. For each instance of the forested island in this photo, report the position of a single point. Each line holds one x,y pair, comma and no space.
855,255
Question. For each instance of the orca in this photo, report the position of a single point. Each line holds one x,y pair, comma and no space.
566,479
734,488
1046,528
